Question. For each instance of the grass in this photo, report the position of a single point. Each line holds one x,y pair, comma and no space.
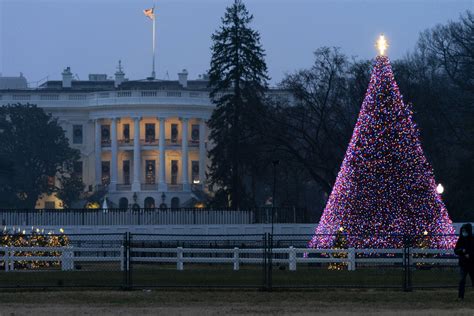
223,275
219,302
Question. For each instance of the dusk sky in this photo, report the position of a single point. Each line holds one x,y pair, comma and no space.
41,37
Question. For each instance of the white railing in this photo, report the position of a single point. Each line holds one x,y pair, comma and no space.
236,256
67,257
46,99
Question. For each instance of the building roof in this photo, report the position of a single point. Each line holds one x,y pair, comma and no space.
107,85
78,85
7,83
162,85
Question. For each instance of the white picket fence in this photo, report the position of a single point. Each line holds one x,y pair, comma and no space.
67,258
291,256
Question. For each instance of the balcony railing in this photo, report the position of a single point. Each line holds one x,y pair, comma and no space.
149,142
149,187
175,187
173,142
106,98
124,187
154,187
105,142
125,142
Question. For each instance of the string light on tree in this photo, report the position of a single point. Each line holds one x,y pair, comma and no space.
385,187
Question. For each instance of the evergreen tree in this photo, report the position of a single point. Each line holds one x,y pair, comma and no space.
36,151
385,187
238,81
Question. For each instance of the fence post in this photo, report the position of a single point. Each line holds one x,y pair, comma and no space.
236,259
125,262
67,259
264,261
179,258
407,286
11,260
351,265
6,259
122,258
292,258
270,262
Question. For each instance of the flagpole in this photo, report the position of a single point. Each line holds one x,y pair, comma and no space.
153,70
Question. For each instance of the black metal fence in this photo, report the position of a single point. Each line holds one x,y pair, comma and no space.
152,216
263,261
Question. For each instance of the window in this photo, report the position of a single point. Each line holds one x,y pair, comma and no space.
49,205
123,203
174,171
77,134
195,172
126,133
174,133
105,172
105,134
77,169
195,133
149,132
175,202
149,202
150,172
126,171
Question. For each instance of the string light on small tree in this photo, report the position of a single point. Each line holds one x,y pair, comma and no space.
18,238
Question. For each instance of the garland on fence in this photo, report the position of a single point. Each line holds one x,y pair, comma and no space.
36,238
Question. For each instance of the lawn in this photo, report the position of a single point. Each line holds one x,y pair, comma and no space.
147,276
236,302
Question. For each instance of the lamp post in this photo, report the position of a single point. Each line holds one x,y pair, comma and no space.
440,188
274,163
163,204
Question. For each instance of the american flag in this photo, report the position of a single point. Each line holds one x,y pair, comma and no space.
150,13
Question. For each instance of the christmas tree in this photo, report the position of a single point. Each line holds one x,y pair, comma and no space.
385,188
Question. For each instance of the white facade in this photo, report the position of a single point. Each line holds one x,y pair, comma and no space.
144,137
149,141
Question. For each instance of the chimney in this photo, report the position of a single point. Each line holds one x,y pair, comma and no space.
119,75
183,78
67,77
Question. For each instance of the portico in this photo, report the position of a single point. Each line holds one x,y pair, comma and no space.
163,152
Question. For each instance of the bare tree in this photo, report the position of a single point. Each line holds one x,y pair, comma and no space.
315,129
452,45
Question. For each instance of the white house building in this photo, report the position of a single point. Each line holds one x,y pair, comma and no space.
143,141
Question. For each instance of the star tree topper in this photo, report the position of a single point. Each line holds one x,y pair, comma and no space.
382,45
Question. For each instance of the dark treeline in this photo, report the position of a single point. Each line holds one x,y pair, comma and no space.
308,134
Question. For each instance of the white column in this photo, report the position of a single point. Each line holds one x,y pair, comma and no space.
113,158
162,171
202,152
98,154
184,155
136,156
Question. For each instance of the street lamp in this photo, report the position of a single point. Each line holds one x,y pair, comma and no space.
440,188
274,163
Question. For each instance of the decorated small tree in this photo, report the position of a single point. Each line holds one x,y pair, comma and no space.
36,238
339,243
385,188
